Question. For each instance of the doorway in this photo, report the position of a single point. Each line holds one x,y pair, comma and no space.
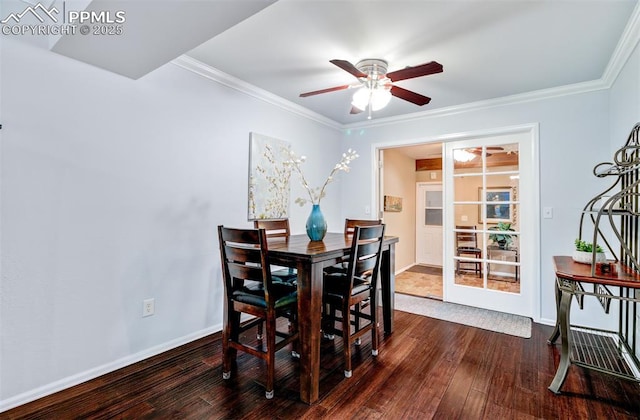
429,219
502,269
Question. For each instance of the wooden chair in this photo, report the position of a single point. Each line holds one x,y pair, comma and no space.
354,290
349,227
249,288
278,228
467,246
350,224
275,228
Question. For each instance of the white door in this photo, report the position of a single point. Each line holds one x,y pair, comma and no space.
429,217
491,194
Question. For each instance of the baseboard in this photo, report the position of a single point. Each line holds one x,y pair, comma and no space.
81,377
403,269
546,321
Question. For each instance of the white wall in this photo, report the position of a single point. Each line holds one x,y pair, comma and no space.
574,136
625,113
625,102
111,193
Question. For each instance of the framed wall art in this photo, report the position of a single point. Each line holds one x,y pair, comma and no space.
392,204
268,178
498,207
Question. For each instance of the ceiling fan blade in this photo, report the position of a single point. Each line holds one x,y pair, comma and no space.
317,92
355,110
407,95
417,71
348,67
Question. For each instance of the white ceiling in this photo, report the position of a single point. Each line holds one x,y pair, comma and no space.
489,48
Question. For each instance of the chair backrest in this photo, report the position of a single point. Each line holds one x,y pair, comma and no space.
245,257
350,224
274,227
366,254
466,239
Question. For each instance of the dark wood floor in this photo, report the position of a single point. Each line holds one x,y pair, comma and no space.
426,369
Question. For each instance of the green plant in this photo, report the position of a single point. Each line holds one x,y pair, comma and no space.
586,246
502,239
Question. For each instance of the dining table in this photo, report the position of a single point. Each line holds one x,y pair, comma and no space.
310,258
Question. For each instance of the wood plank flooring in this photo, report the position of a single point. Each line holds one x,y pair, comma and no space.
426,369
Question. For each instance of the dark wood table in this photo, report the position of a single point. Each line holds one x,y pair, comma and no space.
605,351
310,258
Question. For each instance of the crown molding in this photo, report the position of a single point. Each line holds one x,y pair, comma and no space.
537,95
627,43
225,79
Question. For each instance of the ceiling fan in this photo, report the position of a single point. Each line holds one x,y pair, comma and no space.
478,150
466,155
377,86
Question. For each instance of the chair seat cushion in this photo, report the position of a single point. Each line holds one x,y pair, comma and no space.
288,275
335,285
284,293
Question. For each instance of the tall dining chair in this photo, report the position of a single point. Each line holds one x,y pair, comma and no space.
249,288
354,290
349,227
467,246
278,228
350,224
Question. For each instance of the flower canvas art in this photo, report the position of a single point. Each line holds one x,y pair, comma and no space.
269,174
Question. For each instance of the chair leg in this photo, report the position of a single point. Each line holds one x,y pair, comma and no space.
328,322
346,339
293,329
271,359
356,316
374,324
230,333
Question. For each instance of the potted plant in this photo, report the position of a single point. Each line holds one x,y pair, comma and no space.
503,240
583,252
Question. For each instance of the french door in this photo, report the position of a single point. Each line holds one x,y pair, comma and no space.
490,200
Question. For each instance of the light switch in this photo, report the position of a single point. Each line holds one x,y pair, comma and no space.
547,212
464,218
367,210
433,175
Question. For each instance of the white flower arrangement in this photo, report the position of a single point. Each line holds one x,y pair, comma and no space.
316,194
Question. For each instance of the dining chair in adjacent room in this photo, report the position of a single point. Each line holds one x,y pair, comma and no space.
278,228
250,288
352,291
467,246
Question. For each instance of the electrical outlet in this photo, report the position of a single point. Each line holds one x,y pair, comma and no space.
148,307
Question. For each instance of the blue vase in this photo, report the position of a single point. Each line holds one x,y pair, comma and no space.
316,225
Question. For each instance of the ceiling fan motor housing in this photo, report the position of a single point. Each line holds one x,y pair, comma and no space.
374,67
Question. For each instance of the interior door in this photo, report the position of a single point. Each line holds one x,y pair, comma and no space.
489,197
429,219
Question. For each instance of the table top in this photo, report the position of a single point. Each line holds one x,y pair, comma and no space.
333,244
566,268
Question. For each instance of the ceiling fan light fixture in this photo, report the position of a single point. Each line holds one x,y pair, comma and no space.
380,98
461,155
361,98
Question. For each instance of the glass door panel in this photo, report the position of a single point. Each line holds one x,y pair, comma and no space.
484,184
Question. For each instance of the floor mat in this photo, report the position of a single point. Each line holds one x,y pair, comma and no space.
516,325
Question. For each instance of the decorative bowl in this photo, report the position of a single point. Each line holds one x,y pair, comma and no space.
583,257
